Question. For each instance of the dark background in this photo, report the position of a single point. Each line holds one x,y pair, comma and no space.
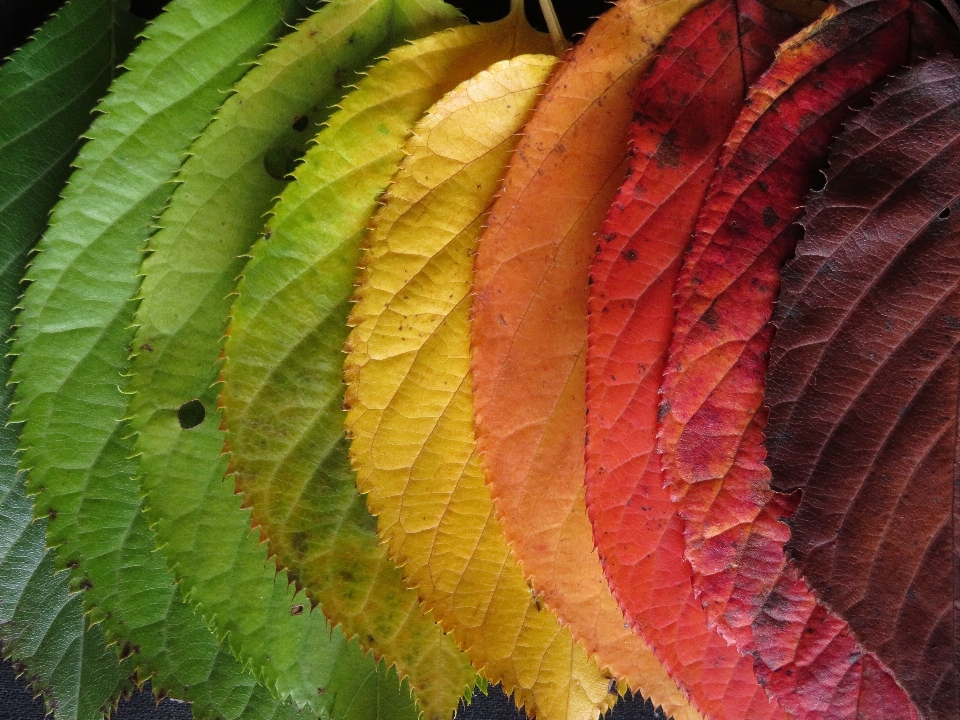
18,19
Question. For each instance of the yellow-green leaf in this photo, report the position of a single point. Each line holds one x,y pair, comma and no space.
283,384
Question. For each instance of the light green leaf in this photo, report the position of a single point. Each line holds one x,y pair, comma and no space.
73,344
225,187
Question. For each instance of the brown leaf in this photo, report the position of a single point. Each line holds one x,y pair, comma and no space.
864,380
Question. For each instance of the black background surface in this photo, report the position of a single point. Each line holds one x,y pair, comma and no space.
18,19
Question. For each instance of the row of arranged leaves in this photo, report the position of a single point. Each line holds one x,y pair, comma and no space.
584,449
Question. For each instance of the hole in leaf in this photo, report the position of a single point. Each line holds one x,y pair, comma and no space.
819,181
300,123
280,162
191,414
944,214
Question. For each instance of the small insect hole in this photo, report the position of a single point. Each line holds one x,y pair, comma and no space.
944,214
819,181
300,123
191,414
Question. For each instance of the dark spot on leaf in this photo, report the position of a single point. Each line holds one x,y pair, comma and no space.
711,319
663,410
669,152
944,214
296,610
630,255
147,346
770,217
191,414
299,542
300,123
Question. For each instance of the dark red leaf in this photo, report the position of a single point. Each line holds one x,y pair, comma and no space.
713,413
864,379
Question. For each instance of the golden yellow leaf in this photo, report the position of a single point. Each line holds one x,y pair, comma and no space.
410,406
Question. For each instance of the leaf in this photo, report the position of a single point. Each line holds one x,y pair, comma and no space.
47,90
863,376
43,629
72,344
283,370
712,414
530,322
224,189
685,106
410,411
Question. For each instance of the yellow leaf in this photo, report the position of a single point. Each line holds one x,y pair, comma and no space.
410,406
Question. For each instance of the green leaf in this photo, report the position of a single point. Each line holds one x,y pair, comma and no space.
43,629
47,90
216,214
283,385
73,343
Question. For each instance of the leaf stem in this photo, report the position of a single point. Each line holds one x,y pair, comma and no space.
553,25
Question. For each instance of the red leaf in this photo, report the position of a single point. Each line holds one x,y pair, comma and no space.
864,379
685,107
713,413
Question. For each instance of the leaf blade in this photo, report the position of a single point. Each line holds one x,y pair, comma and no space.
224,189
676,145
894,439
292,304
72,344
712,416
410,414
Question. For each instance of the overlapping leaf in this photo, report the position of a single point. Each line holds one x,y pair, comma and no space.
530,321
47,90
225,187
686,105
863,382
283,370
409,398
713,413
73,342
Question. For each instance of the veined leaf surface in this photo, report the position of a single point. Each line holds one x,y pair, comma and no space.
685,106
863,382
409,398
530,337
234,171
283,384
43,628
47,90
73,343
713,412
